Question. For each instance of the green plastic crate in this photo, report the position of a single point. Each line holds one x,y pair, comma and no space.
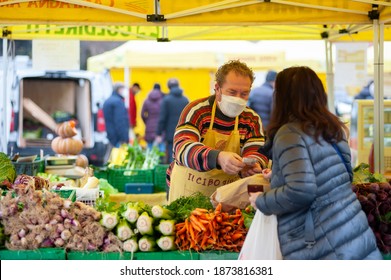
39,254
160,178
74,255
30,168
167,255
218,255
101,173
118,178
66,194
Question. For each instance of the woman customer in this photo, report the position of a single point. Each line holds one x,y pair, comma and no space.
319,216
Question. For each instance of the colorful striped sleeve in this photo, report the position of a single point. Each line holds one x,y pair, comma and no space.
188,149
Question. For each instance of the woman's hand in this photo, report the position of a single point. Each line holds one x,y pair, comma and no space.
267,173
253,197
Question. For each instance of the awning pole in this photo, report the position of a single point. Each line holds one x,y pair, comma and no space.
4,139
378,106
127,85
329,76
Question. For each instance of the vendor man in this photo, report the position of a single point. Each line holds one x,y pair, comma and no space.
214,134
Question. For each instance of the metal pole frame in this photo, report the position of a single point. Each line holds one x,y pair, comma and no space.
378,105
329,76
4,141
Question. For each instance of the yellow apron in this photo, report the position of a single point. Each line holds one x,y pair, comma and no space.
186,181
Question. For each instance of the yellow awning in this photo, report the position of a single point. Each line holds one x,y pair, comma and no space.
191,20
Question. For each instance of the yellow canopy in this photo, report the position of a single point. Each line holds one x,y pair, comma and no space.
191,20
262,32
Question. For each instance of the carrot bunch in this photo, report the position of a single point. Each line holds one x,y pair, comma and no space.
211,230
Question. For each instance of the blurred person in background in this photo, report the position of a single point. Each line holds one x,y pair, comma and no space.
367,92
171,109
261,98
132,104
150,115
116,118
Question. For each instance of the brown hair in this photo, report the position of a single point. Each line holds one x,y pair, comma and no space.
238,67
299,96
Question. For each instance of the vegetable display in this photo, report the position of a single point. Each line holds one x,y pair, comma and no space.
375,199
183,206
134,157
39,218
211,230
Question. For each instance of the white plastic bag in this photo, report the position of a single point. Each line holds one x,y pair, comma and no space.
261,242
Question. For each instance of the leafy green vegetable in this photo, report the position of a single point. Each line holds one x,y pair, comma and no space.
104,204
162,213
183,206
52,177
7,169
109,219
147,244
132,210
361,174
145,224
106,187
124,231
138,158
166,243
248,215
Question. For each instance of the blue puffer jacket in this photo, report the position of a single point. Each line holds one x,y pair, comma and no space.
116,119
312,197
171,109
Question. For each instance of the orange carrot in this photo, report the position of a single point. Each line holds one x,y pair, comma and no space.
181,230
218,208
196,212
190,230
236,236
195,222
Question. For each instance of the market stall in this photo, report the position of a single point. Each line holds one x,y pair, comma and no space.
120,212
168,20
163,21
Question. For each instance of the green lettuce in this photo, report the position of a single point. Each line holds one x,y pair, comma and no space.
7,169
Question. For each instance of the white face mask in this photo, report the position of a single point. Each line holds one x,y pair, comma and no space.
231,106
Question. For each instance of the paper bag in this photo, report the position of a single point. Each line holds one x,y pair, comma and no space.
261,241
235,195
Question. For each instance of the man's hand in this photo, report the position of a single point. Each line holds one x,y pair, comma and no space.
231,163
250,170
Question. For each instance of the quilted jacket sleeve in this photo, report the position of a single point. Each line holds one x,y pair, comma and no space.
299,188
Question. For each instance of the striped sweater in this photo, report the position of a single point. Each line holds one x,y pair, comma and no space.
194,123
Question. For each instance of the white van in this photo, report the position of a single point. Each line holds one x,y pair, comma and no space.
64,95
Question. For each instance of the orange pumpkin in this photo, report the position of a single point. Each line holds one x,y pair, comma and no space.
67,146
82,161
66,129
